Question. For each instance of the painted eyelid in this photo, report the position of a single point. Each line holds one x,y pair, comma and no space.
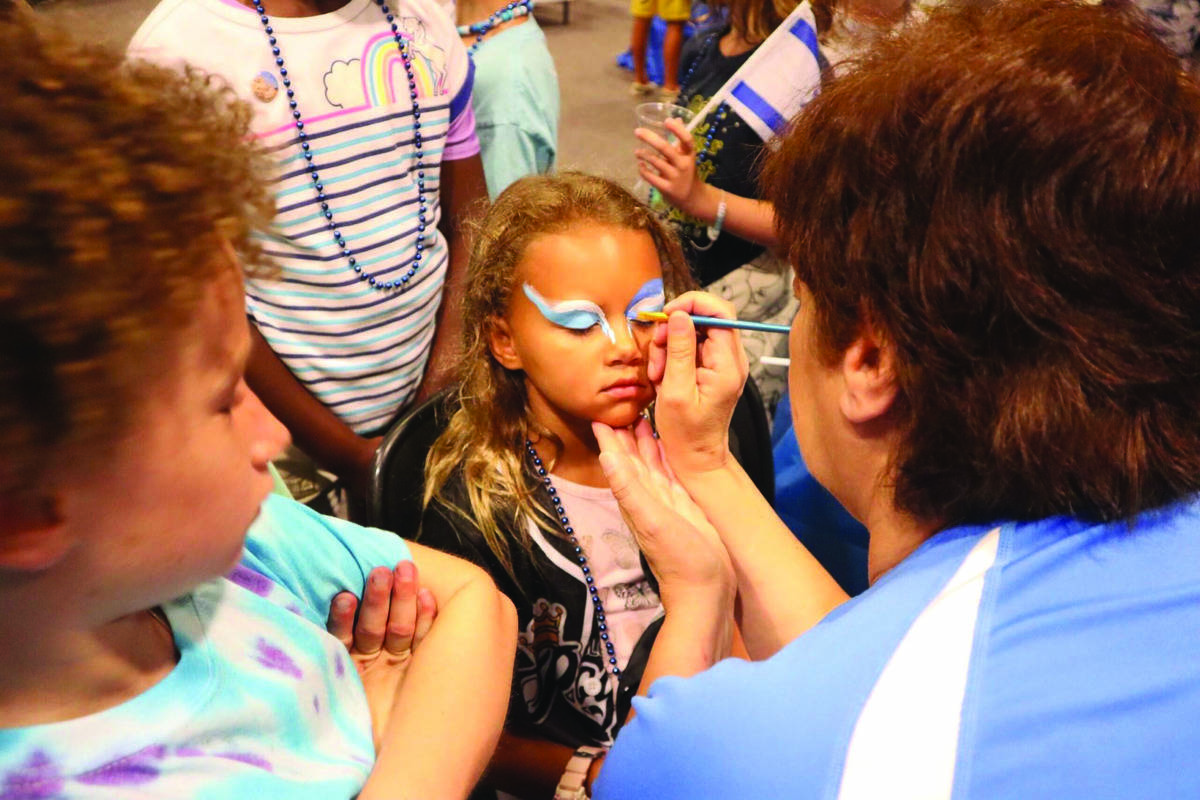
653,303
649,297
576,315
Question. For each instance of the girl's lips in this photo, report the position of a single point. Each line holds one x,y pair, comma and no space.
625,390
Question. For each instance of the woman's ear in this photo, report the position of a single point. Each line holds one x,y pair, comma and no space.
868,378
500,341
32,534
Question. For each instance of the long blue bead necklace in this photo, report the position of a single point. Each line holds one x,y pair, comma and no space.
401,283
510,11
580,556
718,115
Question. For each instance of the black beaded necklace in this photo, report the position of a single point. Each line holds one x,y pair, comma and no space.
717,116
400,284
602,623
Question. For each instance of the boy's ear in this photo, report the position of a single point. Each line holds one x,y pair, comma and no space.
868,377
32,534
500,341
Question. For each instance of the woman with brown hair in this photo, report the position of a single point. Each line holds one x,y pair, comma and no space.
995,367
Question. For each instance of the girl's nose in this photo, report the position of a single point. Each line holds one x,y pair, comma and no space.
270,437
626,346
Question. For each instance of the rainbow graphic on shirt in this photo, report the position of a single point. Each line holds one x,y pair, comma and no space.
383,71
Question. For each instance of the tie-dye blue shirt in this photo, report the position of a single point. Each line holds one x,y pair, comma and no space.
263,702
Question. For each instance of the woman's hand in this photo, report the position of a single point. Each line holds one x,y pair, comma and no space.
682,547
671,168
396,615
698,382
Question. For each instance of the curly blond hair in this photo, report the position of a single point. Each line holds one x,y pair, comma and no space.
120,184
484,436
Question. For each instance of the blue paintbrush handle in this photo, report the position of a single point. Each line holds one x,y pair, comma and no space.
717,322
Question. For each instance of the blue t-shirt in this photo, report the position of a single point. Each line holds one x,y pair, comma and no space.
1048,659
263,702
516,105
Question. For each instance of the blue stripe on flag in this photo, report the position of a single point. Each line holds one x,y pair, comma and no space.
805,33
756,105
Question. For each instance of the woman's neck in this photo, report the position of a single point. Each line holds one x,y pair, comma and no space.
893,536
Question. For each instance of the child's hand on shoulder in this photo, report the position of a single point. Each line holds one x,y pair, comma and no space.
395,616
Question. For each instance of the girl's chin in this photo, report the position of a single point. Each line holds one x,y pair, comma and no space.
622,417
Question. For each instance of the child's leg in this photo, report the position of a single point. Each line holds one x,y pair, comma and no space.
672,46
641,34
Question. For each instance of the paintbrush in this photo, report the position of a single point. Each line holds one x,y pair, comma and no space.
717,322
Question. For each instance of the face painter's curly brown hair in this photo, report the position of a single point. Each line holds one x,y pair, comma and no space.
119,184
1010,197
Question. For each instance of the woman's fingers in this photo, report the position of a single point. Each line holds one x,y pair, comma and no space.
645,513
648,454
720,349
630,448
373,616
402,616
341,618
625,445
702,304
606,437
679,367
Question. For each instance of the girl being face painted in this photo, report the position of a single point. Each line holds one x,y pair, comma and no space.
572,326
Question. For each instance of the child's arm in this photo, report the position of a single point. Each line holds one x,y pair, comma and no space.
671,168
462,190
392,621
447,715
316,430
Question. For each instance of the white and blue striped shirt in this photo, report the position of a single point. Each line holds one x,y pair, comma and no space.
360,351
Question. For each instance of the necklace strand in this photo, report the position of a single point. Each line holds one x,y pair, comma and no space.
580,556
718,115
402,283
510,11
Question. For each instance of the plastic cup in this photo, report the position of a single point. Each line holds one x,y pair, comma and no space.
653,117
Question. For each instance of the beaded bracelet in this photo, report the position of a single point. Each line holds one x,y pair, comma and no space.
714,230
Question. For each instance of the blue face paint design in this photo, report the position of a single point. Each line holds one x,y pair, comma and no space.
648,298
575,315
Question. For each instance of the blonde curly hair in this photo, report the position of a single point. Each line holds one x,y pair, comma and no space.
120,184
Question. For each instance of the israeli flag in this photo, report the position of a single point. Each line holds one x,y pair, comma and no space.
781,76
